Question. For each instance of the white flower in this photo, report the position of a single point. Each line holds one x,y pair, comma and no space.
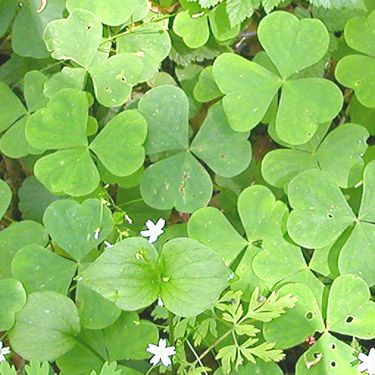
154,230
368,362
3,352
161,353
160,302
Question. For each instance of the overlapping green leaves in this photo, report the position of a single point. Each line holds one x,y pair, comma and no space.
62,126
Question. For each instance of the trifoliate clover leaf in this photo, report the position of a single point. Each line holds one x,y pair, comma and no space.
357,71
62,126
206,88
339,153
320,206
46,327
180,180
251,89
185,268
76,38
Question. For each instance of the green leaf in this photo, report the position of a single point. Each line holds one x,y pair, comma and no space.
29,26
357,72
192,277
179,181
6,369
112,13
33,90
12,300
359,34
114,78
351,316
34,198
62,124
71,172
113,274
14,144
292,44
95,312
320,213
46,327
210,227
155,107
192,29
39,269
150,43
239,10
249,90
305,103
328,356
119,145
231,153
76,38
11,107
5,197
261,215
15,237
305,318
78,228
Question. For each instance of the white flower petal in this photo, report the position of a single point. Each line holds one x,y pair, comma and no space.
150,225
166,360
153,349
145,233
155,360
1,344
362,357
371,354
162,344
2,358
362,367
153,238
171,350
160,223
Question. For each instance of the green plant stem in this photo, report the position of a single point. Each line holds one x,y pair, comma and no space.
171,336
196,355
217,342
149,370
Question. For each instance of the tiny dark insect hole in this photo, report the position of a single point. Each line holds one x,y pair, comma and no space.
349,319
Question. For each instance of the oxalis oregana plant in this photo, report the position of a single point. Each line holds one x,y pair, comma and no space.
187,187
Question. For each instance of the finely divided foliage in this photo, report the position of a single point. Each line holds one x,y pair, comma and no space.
187,187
